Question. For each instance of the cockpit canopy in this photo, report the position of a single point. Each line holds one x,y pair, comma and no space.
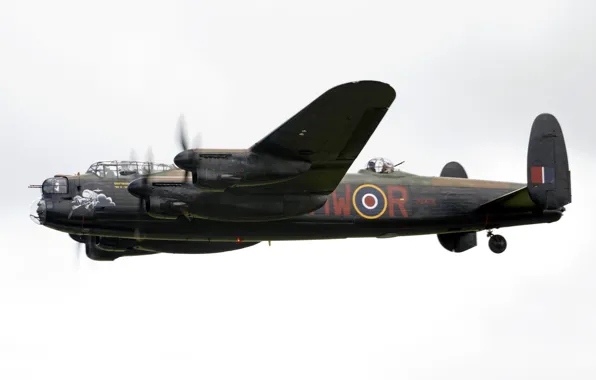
380,165
117,169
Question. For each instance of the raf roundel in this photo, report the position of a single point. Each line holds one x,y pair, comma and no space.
369,201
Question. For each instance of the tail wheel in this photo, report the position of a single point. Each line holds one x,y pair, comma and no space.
497,244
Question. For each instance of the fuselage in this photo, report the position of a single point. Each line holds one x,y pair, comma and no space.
365,204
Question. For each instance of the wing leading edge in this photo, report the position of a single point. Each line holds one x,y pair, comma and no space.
329,133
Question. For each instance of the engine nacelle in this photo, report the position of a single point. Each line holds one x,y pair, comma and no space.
221,170
160,208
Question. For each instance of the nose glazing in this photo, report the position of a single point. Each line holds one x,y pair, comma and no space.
37,211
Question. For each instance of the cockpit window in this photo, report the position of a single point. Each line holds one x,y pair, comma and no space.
123,169
380,165
110,171
56,185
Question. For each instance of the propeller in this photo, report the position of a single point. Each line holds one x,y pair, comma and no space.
183,141
396,165
141,185
78,254
149,161
79,242
133,155
146,175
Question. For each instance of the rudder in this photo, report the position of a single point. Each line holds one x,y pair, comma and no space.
549,178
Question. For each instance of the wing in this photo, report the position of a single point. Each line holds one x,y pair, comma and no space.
329,133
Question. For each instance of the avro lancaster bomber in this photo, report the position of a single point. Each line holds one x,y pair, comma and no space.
294,184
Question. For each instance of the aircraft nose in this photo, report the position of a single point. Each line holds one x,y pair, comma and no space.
185,159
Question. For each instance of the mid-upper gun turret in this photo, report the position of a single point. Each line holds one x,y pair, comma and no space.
381,165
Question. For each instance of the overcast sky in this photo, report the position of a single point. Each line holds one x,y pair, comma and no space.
82,82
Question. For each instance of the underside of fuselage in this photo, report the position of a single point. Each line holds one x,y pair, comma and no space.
199,236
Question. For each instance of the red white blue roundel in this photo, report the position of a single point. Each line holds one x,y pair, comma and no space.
369,201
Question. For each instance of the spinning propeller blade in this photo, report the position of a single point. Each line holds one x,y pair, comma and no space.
78,255
182,132
133,155
147,174
183,140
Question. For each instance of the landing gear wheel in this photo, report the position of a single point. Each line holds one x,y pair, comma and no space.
497,243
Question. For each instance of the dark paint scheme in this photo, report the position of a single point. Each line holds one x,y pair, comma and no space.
104,213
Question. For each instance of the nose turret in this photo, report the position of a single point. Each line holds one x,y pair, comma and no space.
37,211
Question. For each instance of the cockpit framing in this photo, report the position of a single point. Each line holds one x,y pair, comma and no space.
126,169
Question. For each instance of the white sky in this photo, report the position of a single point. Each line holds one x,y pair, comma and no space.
82,82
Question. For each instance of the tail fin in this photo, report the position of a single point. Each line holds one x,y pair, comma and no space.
456,241
549,178
454,169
